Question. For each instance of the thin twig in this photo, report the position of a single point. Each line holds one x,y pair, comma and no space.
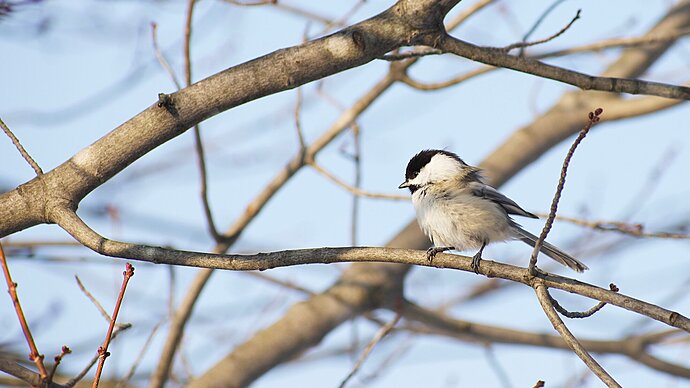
540,19
289,8
34,355
283,283
636,230
523,44
124,382
593,119
342,20
21,149
568,337
64,351
352,189
198,143
406,79
93,300
73,381
497,367
357,158
374,341
298,122
103,350
161,58
601,45
583,314
617,43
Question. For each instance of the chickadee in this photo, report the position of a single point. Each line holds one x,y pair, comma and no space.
458,211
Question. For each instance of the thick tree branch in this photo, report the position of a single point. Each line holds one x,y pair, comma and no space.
403,24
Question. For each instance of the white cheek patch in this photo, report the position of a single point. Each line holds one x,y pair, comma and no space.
442,167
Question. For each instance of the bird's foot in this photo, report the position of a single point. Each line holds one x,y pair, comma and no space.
431,252
475,262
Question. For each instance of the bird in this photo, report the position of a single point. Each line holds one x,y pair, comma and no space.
457,210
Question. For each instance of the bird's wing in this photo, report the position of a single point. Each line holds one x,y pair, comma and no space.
488,192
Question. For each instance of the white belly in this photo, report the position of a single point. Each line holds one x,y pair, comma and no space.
465,222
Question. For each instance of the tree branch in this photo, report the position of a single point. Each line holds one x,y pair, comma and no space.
78,229
497,57
568,337
438,323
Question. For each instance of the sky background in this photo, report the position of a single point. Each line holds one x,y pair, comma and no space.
71,71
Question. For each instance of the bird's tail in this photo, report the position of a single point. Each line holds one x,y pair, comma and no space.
550,250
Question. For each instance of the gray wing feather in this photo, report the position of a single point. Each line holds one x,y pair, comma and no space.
550,250
488,192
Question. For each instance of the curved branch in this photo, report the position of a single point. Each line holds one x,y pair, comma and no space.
568,337
285,69
69,221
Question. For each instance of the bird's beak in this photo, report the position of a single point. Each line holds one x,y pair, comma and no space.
404,185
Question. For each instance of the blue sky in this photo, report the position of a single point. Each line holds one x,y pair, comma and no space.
94,68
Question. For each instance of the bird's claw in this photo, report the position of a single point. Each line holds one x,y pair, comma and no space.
475,262
431,252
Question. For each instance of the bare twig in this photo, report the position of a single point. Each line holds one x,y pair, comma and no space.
283,283
524,44
95,302
125,381
593,119
103,350
357,159
64,351
21,149
444,84
496,57
354,190
636,230
568,337
497,367
178,321
34,355
618,43
298,122
288,8
198,143
73,381
539,20
161,58
578,314
370,346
